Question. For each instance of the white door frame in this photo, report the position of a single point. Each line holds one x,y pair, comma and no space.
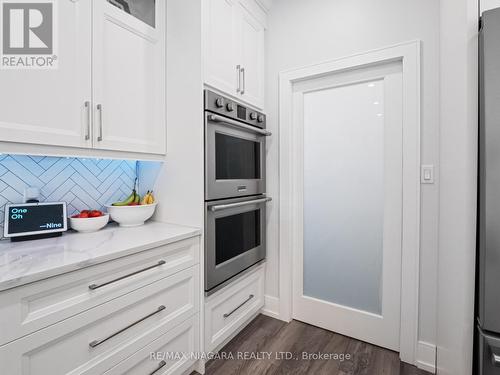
409,55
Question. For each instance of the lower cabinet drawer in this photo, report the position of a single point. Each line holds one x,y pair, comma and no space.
172,353
97,339
229,308
31,307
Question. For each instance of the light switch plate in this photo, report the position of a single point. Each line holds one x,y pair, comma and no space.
427,174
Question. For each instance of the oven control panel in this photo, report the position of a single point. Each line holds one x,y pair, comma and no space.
227,107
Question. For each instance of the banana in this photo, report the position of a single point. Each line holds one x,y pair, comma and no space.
137,198
151,199
145,199
127,200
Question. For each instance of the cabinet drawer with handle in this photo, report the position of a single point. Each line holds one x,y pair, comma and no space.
168,354
31,307
100,338
228,309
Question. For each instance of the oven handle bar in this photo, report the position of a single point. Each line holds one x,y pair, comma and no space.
238,124
220,207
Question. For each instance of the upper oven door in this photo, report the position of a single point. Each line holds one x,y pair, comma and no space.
234,158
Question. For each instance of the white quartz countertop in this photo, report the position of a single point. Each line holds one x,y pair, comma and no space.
25,262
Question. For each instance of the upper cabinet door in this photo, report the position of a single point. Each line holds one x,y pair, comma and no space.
51,106
129,75
234,49
221,45
252,58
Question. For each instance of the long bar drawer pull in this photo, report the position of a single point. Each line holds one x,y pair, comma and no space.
238,307
95,343
97,286
160,365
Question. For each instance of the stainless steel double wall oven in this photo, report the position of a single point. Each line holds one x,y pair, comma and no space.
235,182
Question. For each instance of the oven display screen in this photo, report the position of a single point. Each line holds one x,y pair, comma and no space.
242,113
236,234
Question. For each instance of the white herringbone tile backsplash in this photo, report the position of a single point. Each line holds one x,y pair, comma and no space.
82,183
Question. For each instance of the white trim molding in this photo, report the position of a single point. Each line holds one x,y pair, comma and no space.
426,357
458,160
409,55
271,306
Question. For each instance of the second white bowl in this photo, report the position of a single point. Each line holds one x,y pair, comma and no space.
89,224
131,216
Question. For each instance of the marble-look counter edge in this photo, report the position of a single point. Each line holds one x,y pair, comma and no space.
7,282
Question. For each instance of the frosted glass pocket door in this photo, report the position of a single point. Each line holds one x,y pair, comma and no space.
347,268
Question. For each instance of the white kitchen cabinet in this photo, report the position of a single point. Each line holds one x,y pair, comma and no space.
221,60
52,106
233,307
252,58
108,316
234,49
108,91
175,351
34,306
129,78
100,338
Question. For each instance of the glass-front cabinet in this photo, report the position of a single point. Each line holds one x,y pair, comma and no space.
144,10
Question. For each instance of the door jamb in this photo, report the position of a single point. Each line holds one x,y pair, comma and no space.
409,54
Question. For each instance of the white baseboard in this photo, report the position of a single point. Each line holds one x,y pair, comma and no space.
271,307
426,357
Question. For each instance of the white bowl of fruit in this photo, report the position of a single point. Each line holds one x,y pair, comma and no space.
88,221
134,210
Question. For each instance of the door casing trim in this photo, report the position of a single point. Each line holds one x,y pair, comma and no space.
409,54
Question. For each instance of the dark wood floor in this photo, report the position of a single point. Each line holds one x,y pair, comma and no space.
273,336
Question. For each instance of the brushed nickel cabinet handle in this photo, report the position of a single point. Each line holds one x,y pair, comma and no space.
238,73
97,286
160,365
238,307
99,109
95,343
244,86
87,109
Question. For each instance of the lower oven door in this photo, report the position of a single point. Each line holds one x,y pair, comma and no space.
235,237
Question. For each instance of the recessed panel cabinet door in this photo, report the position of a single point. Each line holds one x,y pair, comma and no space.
129,76
221,57
52,107
252,57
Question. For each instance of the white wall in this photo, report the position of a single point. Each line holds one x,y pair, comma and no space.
457,224
307,32
489,4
